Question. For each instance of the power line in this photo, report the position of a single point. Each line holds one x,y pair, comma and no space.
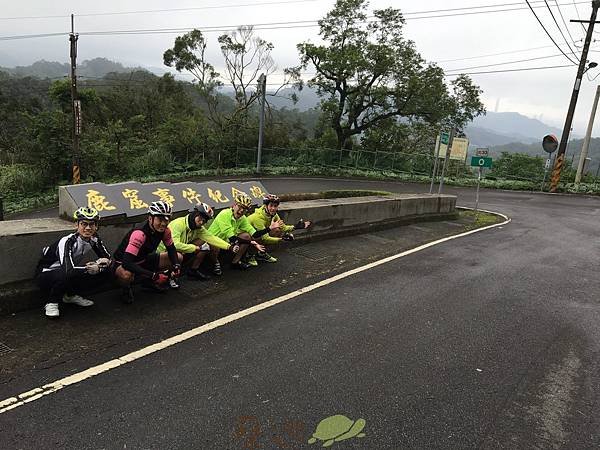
31,36
559,28
506,62
564,22
495,54
579,17
508,70
275,25
149,11
551,38
477,7
467,13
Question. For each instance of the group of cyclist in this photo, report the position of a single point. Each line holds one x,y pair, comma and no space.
159,251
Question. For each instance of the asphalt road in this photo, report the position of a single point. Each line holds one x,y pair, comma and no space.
486,341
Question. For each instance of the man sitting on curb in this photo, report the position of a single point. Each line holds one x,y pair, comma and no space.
194,241
136,255
231,224
60,272
266,214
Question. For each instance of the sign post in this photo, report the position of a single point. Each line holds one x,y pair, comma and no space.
442,138
480,161
448,150
549,145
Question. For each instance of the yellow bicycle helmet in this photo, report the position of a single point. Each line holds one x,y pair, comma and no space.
85,213
243,200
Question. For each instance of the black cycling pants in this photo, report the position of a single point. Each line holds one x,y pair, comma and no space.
55,283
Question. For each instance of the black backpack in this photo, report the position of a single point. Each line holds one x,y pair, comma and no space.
49,257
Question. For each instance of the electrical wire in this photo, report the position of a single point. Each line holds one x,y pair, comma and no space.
277,25
494,54
559,28
149,11
549,35
31,36
579,17
508,70
564,22
505,62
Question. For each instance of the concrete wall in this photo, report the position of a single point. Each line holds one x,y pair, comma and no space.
21,241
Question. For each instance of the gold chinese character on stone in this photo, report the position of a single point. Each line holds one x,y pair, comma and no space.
217,196
257,192
191,196
134,201
165,196
235,192
98,202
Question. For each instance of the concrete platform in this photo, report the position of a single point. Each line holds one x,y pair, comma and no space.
22,240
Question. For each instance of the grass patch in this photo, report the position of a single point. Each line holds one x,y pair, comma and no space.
478,219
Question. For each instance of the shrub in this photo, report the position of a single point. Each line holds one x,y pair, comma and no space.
20,179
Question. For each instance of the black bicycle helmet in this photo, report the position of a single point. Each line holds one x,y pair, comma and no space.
271,198
203,210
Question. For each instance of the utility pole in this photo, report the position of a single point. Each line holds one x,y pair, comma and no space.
586,141
560,156
75,104
262,89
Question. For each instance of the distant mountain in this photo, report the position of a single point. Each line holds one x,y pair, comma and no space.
307,99
514,124
482,137
507,127
572,154
97,67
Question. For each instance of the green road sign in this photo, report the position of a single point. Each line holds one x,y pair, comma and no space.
477,161
444,138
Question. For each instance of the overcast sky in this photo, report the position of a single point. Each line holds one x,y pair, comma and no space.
460,34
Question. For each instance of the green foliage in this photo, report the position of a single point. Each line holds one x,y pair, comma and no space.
518,165
20,179
368,73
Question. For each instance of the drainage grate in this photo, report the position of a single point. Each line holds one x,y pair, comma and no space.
4,349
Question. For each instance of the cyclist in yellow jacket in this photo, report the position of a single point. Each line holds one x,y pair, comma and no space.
194,241
232,225
263,216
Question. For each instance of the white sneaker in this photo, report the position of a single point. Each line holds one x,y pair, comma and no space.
52,310
77,300
173,284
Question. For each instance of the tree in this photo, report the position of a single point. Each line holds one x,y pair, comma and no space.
368,73
245,55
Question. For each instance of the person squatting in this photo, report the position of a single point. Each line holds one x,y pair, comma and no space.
158,251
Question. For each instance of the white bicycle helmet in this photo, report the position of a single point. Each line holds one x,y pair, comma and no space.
160,208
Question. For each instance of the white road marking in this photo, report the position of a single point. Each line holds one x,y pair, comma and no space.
47,389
